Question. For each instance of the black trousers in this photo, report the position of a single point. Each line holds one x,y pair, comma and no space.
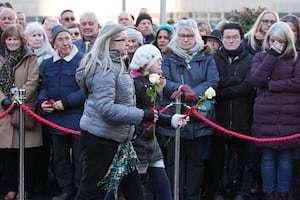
97,155
67,161
10,168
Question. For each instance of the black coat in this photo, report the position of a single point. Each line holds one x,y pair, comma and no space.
144,144
235,93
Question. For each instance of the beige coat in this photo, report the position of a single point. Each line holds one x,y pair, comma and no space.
26,77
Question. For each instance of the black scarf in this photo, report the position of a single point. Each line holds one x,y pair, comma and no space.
7,72
236,52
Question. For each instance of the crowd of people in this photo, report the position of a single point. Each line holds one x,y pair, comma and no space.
111,82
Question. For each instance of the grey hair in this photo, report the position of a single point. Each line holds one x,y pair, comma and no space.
191,25
99,54
37,27
89,14
282,30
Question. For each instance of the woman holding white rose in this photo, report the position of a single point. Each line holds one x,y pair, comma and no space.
147,60
190,70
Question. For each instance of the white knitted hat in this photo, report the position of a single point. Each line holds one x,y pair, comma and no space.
144,57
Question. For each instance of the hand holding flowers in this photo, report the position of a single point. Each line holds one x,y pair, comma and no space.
155,89
208,94
152,92
205,103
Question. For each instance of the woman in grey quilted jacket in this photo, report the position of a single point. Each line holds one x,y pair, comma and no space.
109,118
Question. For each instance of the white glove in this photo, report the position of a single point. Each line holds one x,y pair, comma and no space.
179,120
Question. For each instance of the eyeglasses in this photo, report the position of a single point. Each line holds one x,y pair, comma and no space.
119,40
229,38
75,33
69,18
183,36
266,21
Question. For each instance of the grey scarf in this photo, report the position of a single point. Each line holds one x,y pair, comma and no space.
187,55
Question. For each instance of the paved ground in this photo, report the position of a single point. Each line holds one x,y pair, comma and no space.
51,191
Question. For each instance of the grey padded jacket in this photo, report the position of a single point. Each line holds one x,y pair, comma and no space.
110,109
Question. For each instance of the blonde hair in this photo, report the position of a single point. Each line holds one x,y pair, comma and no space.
99,54
282,31
204,25
256,28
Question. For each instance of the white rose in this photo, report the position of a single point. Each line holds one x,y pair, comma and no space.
154,78
210,93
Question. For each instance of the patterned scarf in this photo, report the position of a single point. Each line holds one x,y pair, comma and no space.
123,163
7,72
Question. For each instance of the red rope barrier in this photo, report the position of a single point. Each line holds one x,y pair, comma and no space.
7,111
242,136
33,114
187,113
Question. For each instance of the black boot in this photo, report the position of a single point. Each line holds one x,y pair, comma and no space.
269,196
283,196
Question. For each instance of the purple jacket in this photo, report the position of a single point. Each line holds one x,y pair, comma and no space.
277,105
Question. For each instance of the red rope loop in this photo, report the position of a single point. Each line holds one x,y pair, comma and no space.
49,123
7,111
242,136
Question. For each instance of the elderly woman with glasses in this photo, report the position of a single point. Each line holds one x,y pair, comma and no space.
190,70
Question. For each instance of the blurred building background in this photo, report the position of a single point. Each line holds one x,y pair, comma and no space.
107,10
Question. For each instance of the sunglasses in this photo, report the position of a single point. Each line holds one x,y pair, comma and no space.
69,19
75,33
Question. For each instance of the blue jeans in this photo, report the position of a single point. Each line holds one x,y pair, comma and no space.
276,167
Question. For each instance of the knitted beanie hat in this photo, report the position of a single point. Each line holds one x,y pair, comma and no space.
145,57
133,33
167,27
142,17
56,30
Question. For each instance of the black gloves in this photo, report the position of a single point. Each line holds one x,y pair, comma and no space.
5,103
229,81
148,116
227,93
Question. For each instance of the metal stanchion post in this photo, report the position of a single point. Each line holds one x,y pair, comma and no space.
22,97
177,152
